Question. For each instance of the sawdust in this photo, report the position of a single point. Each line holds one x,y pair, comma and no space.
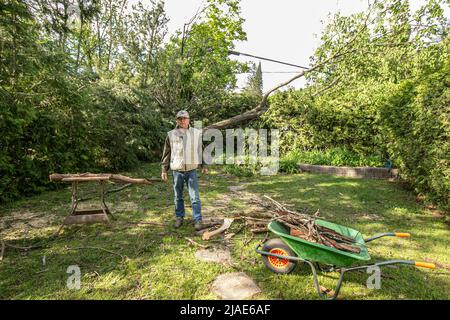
26,220
18,223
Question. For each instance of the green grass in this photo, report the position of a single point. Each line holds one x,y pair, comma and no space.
152,262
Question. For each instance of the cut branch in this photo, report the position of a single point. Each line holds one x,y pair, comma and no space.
226,224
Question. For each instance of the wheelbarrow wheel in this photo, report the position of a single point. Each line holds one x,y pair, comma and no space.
277,246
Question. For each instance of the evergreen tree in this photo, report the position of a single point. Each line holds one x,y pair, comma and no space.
255,82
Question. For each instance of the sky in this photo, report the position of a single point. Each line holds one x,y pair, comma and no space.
285,30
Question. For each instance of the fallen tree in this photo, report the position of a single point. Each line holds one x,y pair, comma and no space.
345,48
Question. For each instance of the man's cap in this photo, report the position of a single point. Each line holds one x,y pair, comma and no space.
182,114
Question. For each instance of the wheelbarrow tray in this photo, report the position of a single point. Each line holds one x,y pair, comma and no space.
316,252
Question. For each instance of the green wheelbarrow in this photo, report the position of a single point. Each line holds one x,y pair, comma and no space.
281,254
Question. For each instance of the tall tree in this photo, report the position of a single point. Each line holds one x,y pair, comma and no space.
255,82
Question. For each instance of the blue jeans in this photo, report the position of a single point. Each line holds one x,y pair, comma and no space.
191,179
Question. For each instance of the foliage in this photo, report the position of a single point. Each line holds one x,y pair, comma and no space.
240,170
382,94
255,82
93,86
330,157
417,120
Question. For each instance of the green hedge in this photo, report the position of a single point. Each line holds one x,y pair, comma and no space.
416,118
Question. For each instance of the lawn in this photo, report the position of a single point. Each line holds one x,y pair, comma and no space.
128,260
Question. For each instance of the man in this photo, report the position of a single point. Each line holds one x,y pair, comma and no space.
182,154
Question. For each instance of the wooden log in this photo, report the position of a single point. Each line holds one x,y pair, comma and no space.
301,234
60,176
259,230
340,246
121,178
83,177
254,224
331,232
226,224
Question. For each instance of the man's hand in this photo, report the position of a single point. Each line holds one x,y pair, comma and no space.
205,170
164,176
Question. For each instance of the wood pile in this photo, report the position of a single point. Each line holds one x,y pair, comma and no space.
300,225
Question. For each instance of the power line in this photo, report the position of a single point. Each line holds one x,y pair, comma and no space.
272,72
272,60
280,71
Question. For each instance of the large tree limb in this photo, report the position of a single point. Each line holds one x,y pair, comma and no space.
258,110
262,107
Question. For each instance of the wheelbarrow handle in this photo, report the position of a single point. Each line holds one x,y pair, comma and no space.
425,265
388,234
391,262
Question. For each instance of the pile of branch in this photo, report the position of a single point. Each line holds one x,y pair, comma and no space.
302,226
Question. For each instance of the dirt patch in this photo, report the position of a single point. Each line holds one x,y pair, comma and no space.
25,221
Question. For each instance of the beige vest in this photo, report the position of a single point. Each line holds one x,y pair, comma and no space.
185,149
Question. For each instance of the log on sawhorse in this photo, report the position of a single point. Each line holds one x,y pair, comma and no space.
77,216
98,215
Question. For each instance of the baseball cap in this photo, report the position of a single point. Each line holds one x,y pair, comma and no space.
182,114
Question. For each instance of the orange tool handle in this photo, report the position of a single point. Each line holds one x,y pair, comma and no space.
402,235
425,265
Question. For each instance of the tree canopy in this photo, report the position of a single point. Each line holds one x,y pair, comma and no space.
95,84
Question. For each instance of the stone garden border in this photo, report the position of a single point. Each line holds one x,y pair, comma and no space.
353,172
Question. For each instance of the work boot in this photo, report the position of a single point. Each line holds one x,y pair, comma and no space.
178,222
198,226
